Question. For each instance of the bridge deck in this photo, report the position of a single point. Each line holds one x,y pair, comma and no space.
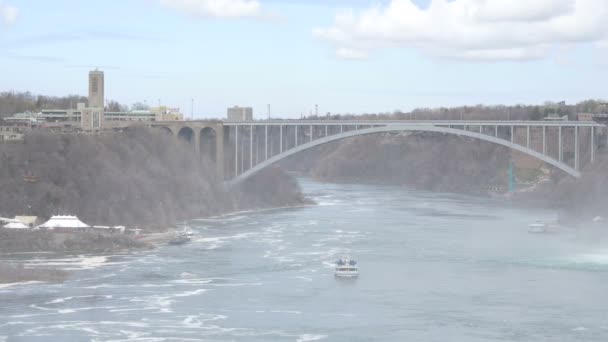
414,122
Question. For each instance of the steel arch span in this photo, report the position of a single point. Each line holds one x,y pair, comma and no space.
404,128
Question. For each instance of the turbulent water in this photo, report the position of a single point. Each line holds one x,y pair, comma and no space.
434,267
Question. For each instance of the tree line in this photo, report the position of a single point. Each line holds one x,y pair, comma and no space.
481,112
20,102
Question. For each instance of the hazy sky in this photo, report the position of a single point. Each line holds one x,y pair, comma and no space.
346,55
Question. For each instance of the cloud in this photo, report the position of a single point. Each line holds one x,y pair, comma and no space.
469,29
8,14
222,9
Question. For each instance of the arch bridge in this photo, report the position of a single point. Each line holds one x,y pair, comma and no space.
242,149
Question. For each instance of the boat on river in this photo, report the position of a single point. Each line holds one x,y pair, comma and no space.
540,227
181,238
346,267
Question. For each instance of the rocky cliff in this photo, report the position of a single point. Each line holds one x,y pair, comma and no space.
139,177
427,161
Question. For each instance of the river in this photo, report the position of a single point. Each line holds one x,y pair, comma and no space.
434,267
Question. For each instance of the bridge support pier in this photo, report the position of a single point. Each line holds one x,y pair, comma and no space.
576,163
265,142
545,140
219,151
559,148
236,151
592,144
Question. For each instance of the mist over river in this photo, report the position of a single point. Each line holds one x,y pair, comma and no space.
433,267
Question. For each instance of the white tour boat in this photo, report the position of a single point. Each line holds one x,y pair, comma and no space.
540,227
346,268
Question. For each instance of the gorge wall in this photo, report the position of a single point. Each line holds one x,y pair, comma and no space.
136,178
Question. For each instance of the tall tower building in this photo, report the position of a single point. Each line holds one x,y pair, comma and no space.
96,89
93,117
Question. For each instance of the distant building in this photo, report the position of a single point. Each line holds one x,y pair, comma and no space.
164,113
89,118
17,226
64,224
92,119
124,119
27,119
60,115
599,118
555,117
96,89
240,113
11,133
28,220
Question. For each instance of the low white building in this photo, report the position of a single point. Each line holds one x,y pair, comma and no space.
17,226
64,224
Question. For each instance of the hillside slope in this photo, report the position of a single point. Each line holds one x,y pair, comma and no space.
140,177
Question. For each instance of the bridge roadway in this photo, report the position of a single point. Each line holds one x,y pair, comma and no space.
240,138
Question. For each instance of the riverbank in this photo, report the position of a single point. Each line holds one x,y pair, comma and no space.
12,241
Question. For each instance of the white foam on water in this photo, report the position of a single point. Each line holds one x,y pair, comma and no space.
71,264
327,200
310,337
73,310
212,242
308,279
193,281
593,258
110,286
292,312
111,275
200,320
237,284
599,258
132,309
64,299
191,293
6,286
329,264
